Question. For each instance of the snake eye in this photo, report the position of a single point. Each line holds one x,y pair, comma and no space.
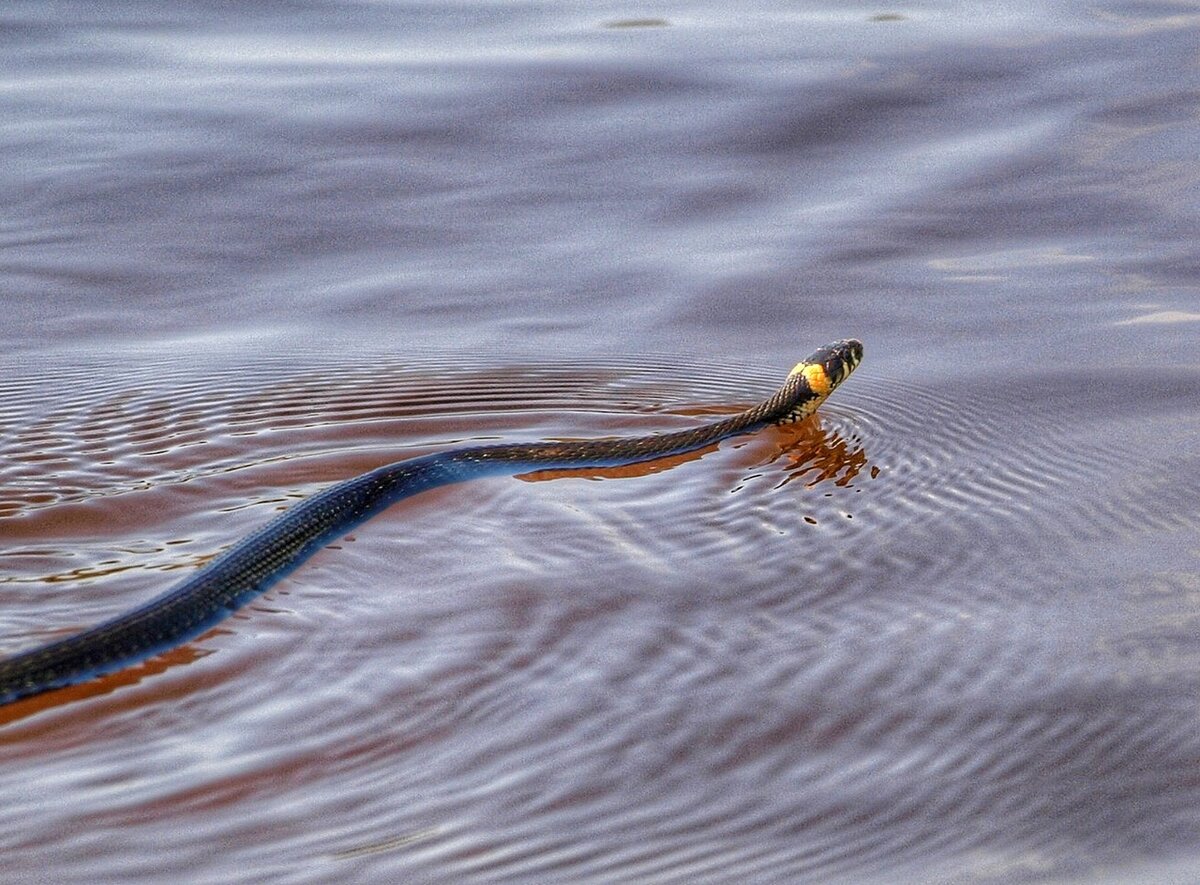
853,351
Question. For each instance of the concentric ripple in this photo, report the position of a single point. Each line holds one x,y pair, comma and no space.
199,452
916,636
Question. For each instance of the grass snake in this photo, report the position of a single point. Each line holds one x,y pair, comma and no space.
257,561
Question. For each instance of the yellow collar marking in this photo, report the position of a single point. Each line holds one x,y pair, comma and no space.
817,378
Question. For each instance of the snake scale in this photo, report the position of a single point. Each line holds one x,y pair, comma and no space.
254,563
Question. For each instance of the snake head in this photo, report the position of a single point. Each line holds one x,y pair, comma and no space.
830,365
823,371
839,359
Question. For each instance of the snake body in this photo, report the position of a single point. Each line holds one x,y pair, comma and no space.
257,561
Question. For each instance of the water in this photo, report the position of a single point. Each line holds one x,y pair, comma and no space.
945,633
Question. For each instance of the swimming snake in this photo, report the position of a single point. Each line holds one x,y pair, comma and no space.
256,562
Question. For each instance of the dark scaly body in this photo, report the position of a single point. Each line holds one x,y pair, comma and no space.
256,562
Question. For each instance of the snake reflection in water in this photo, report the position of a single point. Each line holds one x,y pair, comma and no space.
256,562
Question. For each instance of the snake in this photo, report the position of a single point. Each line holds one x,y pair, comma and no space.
256,562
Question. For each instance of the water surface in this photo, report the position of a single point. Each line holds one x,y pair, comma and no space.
945,632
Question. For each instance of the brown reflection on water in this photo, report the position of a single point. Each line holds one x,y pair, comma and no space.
812,452
817,454
103,685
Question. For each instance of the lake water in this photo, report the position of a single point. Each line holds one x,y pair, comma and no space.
949,631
